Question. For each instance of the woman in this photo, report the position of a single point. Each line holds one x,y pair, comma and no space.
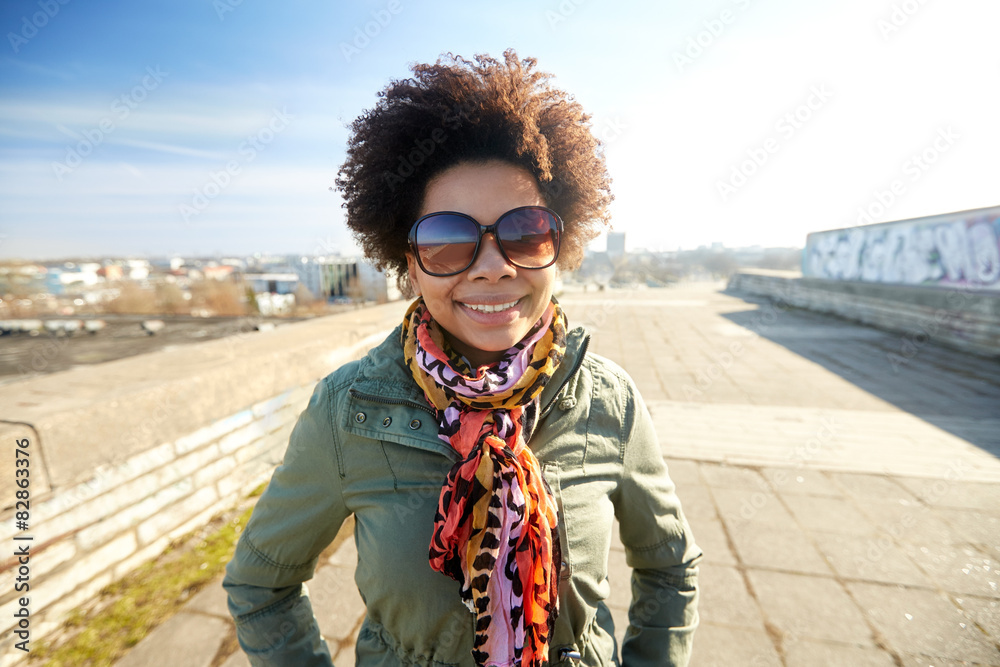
483,452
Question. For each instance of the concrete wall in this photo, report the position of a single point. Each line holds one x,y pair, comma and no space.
953,250
966,319
129,455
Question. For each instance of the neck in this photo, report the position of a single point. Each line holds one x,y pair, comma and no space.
473,355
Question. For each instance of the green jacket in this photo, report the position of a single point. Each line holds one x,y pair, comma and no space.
367,444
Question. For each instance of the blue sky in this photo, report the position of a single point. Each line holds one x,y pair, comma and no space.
217,126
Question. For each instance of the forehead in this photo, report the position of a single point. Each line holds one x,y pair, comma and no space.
484,190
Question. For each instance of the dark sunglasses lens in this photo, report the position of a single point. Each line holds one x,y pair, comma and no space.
530,237
446,243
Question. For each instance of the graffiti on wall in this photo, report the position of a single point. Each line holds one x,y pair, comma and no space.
962,250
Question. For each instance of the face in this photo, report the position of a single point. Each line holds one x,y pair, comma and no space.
484,191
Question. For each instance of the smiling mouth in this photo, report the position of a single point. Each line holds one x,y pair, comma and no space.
487,308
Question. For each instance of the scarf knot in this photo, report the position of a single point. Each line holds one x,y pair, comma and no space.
495,527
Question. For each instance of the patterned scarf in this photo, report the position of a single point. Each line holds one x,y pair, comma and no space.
495,526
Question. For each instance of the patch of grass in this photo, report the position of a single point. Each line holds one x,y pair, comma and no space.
128,609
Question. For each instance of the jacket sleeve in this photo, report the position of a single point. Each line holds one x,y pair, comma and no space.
659,547
298,515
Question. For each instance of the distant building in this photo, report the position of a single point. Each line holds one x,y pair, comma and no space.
272,283
355,279
616,244
138,269
338,277
269,304
310,273
220,272
73,277
111,273
333,278
377,286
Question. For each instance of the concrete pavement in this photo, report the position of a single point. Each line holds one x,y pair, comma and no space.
842,482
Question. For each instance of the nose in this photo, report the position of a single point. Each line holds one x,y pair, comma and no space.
490,264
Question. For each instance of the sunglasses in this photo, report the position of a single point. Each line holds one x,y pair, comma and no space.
447,243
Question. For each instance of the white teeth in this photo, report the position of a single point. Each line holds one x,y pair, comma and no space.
482,308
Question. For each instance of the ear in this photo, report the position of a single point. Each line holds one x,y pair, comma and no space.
414,271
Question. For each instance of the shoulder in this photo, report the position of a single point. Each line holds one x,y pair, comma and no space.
342,378
598,373
610,374
609,381
380,372
610,395
385,360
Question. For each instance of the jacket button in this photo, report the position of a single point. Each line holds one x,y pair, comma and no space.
414,424
387,421
360,417
567,404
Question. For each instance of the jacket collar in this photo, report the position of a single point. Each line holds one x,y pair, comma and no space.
383,372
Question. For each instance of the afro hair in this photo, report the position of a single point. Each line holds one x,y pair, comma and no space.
458,110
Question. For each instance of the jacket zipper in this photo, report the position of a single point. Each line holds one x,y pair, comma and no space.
392,401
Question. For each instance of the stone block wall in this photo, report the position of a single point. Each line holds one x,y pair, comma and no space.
965,319
100,529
